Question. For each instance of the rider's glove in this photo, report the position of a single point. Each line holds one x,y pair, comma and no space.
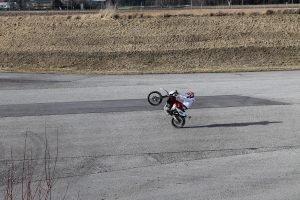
176,93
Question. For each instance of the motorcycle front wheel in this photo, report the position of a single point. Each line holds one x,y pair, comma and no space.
155,98
178,121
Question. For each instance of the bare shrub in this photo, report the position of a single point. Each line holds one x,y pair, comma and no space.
254,13
291,11
286,11
167,15
116,16
32,188
270,12
221,13
147,16
107,14
186,15
135,15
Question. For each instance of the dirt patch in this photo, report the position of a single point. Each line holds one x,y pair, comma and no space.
113,43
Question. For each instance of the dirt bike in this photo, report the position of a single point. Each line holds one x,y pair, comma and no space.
178,116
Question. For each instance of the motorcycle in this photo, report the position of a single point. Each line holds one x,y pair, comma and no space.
178,116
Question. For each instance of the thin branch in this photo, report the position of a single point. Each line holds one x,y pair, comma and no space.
37,189
23,167
56,156
64,197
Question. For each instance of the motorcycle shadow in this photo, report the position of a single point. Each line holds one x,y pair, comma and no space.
235,124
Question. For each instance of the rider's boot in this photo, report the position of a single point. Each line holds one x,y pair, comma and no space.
167,110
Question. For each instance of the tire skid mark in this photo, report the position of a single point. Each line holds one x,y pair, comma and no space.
78,166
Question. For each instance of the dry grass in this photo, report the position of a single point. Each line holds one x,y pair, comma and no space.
208,12
152,70
178,41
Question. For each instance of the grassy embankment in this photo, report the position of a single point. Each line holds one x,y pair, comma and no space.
179,41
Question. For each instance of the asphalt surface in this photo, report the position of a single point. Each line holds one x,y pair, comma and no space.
242,141
125,105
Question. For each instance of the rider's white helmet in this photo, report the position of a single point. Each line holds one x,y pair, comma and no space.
173,92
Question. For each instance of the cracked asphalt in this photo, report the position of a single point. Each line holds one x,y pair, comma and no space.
242,141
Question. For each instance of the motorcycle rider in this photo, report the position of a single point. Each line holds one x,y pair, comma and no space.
179,101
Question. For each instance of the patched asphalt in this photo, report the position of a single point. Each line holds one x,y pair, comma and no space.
126,105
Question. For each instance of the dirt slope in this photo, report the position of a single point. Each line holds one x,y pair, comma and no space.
91,43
